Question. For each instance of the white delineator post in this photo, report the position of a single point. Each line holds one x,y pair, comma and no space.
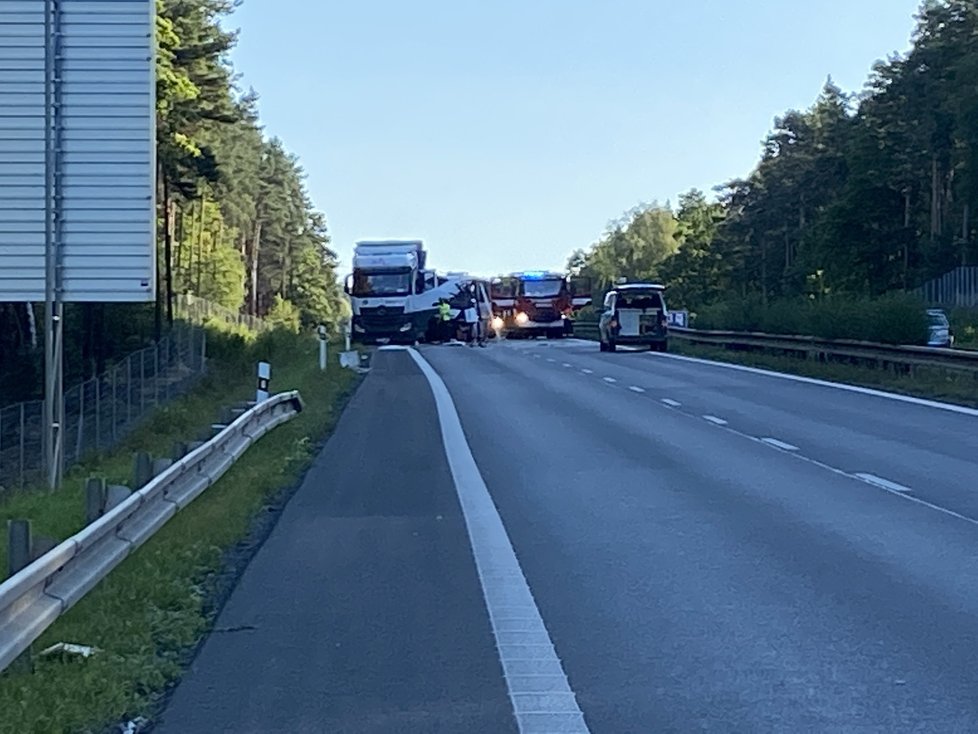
322,347
264,377
346,333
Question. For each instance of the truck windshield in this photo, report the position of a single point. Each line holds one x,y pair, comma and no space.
542,288
381,283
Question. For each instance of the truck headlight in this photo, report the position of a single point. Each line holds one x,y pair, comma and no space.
357,327
497,323
522,318
406,327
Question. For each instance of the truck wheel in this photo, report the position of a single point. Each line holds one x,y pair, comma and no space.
612,347
603,346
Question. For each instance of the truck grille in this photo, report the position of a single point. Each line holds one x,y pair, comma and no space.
382,318
543,315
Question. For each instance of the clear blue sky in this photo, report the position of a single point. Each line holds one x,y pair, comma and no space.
507,133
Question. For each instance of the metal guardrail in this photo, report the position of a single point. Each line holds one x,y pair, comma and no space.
814,347
817,348
33,598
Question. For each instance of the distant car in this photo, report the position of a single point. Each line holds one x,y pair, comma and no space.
939,329
635,314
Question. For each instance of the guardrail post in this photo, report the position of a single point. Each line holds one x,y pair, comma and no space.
161,465
18,545
142,469
18,557
115,495
95,496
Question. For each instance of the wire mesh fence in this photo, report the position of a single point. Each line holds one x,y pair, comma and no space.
958,288
103,410
188,307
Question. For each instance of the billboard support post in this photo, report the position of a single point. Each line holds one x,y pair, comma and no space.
54,403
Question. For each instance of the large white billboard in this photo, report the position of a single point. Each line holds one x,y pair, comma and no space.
78,149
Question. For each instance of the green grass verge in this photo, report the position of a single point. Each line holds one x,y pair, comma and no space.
934,384
149,614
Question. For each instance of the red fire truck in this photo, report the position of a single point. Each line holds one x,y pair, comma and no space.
537,303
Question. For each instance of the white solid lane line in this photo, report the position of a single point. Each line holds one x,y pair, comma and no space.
634,388
529,660
882,483
779,444
588,372
714,420
672,403
824,383
609,380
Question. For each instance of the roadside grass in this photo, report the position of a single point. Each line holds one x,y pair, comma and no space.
934,384
147,617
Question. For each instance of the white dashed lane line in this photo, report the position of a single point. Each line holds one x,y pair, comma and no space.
779,444
865,477
882,483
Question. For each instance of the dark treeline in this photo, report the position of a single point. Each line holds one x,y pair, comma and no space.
236,223
857,195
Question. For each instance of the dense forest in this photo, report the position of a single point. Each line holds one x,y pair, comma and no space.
236,223
859,195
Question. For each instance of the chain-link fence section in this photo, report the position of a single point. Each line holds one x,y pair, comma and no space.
199,311
103,410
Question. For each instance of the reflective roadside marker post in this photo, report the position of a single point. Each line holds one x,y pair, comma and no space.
322,347
264,377
346,332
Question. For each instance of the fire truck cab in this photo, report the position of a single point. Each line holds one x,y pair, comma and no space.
537,303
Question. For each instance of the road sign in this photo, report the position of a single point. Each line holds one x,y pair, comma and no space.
679,318
77,150
77,167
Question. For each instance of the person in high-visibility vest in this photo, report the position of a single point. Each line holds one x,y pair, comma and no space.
444,318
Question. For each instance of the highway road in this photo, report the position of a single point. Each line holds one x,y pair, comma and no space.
648,544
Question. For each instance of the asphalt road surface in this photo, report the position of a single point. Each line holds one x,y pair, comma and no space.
709,549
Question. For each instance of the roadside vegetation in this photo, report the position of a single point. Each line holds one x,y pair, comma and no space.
860,195
895,318
147,617
964,326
